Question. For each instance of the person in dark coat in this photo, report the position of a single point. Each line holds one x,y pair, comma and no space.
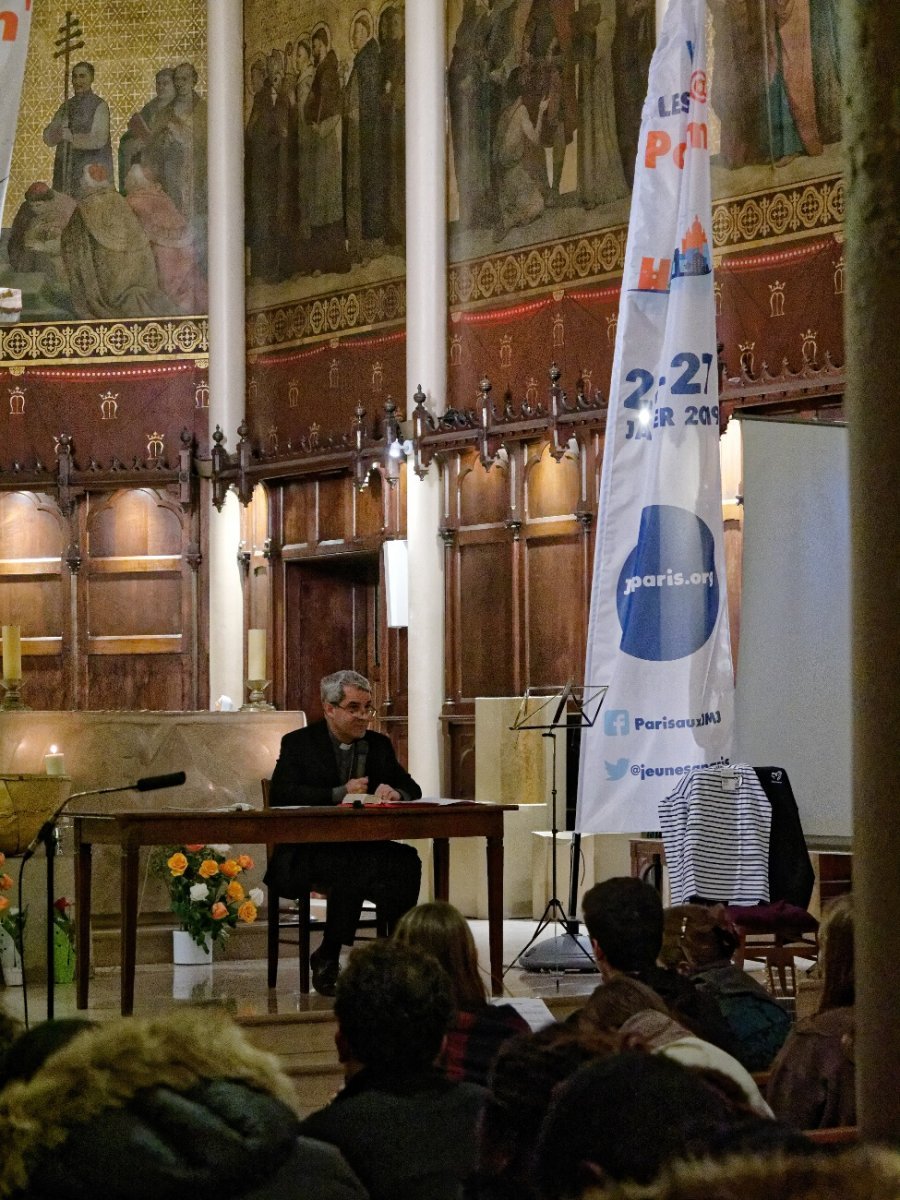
624,918
322,764
159,1109
407,1130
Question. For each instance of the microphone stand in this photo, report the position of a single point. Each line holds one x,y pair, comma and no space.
48,836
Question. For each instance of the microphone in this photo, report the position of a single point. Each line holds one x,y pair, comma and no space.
152,783
360,754
147,784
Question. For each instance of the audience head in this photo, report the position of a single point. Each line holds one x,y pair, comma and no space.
695,937
442,930
624,1117
861,1173
612,1004
624,918
393,1006
132,1108
525,1072
27,1054
836,954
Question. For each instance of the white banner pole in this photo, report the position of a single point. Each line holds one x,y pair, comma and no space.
658,632
15,26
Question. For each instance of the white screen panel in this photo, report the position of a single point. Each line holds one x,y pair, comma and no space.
793,700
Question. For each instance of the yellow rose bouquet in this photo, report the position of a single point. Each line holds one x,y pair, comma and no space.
206,892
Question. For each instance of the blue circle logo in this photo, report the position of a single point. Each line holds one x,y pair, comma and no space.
668,592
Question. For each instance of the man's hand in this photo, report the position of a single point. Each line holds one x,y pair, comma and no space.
358,787
384,791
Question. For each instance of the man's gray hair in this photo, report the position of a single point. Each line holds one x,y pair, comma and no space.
331,689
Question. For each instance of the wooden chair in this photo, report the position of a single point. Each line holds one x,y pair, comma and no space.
840,1135
296,913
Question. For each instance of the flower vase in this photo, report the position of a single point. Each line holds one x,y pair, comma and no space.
63,956
186,952
10,960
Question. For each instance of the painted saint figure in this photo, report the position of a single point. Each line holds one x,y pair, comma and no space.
363,150
170,239
79,132
108,258
177,153
34,239
601,178
326,202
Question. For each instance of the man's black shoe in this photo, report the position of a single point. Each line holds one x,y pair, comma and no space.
324,973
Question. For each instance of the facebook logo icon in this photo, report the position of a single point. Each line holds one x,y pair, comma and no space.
616,721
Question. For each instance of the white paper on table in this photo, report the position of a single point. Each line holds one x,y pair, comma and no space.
533,1009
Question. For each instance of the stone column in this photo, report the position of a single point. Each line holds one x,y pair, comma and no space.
226,331
426,364
871,118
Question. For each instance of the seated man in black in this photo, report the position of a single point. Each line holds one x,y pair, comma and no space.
321,764
407,1129
624,918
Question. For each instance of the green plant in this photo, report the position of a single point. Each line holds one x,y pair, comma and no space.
62,918
204,889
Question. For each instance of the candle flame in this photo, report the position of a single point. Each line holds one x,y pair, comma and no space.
53,750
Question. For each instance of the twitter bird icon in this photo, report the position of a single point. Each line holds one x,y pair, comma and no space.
615,770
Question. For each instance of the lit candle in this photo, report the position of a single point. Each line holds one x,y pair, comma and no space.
256,654
12,653
54,762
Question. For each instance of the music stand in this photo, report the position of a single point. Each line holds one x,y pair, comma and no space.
569,951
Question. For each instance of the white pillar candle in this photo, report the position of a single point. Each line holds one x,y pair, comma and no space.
54,762
12,652
256,654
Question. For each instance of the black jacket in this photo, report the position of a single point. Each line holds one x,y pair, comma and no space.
307,770
167,1108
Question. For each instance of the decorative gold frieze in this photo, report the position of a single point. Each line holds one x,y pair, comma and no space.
137,340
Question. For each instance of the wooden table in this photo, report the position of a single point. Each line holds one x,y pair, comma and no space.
171,827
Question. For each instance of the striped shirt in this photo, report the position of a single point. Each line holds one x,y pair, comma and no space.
716,826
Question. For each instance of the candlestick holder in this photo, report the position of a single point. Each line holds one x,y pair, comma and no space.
257,701
12,701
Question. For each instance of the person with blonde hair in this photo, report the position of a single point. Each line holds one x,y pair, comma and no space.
813,1079
479,1028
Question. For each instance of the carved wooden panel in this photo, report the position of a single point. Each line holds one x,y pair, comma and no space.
484,605
551,487
132,524
369,507
329,624
139,681
483,496
460,764
334,510
299,504
35,587
554,619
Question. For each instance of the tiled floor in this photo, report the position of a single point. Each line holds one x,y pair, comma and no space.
241,984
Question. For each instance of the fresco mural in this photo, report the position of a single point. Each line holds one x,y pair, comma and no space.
545,96
544,102
107,206
324,159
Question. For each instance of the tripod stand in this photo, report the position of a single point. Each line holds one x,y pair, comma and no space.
579,708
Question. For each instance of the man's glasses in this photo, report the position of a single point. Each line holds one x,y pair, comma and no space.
358,710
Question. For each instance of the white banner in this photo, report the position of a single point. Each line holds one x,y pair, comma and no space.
658,632
15,25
